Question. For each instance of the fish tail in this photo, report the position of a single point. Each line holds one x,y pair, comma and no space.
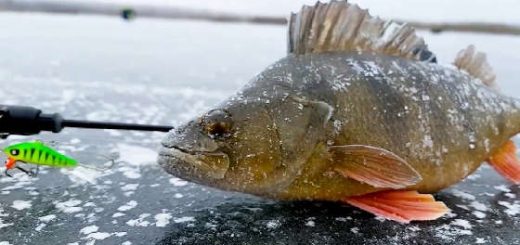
506,163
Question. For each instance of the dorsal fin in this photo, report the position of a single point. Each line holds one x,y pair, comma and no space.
341,26
476,65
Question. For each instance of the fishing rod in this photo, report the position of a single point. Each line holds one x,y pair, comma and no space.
25,120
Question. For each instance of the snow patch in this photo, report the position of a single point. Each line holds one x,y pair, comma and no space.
178,182
21,204
162,219
47,218
139,221
512,209
136,155
462,223
129,187
129,205
273,224
69,206
99,235
184,219
89,229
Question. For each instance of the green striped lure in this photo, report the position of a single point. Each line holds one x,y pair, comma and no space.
39,154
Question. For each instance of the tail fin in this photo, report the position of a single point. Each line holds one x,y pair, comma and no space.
506,163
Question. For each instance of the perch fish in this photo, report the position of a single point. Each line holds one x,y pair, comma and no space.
358,112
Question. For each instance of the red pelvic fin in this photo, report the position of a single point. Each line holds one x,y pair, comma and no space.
400,206
10,163
506,162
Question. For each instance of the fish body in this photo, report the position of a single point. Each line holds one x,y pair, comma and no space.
358,112
442,122
39,154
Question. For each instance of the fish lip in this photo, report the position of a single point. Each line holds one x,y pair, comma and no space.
175,154
168,152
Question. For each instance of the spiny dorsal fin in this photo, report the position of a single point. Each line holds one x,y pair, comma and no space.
341,26
475,64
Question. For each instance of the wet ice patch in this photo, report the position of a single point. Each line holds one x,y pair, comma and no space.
21,204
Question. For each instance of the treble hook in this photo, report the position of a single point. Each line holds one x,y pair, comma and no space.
31,172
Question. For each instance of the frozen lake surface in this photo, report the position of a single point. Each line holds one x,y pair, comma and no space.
152,71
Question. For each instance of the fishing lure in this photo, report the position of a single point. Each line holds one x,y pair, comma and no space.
39,154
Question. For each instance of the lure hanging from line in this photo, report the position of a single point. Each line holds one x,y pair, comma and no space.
39,154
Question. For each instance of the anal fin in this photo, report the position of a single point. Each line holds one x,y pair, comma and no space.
401,206
506,163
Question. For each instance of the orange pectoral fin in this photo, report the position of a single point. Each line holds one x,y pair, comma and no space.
400,206
374,166
10,163
506,163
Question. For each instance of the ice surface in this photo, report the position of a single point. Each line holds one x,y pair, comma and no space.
166,72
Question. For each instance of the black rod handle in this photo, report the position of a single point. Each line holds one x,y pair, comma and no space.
25,120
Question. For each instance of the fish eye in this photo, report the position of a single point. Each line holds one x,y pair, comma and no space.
15,152
217,124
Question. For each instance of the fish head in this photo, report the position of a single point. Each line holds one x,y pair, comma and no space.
252,147
13,151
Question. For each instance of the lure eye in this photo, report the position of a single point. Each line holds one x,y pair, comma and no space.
15,152
217,124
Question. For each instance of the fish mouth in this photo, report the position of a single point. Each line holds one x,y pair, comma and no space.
198,166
